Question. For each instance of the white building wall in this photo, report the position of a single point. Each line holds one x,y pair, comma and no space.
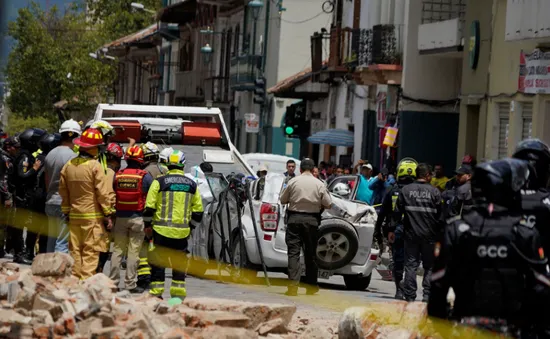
432,77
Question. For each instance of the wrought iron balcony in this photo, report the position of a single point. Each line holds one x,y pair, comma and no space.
381,45
217,89
244,70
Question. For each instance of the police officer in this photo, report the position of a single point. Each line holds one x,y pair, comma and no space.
418,208
8,175
491,256
406,173
459,198
306,197
28,167
536,198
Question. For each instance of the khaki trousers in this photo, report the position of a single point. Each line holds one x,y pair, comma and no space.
128,237
86,241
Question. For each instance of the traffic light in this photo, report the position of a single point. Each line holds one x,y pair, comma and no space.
259,91
295,121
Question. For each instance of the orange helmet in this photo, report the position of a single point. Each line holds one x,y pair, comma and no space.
135,153
90,138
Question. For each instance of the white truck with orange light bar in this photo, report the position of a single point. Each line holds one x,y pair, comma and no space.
200,132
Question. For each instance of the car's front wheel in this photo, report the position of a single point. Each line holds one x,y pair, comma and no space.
357,282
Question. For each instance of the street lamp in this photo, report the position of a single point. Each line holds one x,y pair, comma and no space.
256,6
140,7
206,51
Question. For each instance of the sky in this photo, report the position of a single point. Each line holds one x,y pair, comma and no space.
9,13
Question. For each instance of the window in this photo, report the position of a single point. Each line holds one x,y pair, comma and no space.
186,54
503,125
236,41
526,120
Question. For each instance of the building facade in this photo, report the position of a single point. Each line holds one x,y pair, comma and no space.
512,75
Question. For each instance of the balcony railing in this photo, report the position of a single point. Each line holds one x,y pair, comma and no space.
381,45
244,70
217,89
191,84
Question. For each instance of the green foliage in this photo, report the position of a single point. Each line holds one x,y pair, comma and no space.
49,46
17,123
119,19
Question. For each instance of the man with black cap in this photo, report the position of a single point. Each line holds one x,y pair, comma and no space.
459,198
306,197
8,153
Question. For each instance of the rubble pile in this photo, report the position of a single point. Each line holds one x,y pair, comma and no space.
47,302
395,320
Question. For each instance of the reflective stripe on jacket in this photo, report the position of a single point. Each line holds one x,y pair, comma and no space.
174,198
86,191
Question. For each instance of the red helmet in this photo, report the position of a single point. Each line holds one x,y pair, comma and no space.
90,138
114,150
135,153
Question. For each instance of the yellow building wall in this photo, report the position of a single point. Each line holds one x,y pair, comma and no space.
503,86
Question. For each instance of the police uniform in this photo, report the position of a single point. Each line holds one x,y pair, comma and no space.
418,208
306,197
494,263
175,203
398,246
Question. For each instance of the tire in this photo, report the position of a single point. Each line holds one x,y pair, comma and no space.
337,244
241,271
357,282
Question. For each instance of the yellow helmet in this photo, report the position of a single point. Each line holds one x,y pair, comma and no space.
407,167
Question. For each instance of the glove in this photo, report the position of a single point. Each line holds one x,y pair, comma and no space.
148,231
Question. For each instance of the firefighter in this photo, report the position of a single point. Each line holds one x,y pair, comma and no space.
27,173
88,201
8,174
108,132
175,204
131,187
114,155
151,159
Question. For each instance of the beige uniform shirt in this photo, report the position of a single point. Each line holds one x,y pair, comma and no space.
306,194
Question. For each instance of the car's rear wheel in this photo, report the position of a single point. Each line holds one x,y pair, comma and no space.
337,244
357,282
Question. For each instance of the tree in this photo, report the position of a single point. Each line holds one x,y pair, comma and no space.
118,18
50,62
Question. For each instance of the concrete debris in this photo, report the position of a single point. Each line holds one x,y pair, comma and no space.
52,265
397,319
46,302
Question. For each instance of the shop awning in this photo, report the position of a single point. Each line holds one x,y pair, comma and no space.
333,137
179,13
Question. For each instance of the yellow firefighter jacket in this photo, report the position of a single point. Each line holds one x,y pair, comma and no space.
86,190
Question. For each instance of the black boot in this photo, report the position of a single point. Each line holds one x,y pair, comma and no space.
398,291
20,258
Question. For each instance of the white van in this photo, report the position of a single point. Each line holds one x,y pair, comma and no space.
275,163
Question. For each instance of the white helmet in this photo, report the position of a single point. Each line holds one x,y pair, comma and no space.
150,148
102,125
70,126
165,153
341,189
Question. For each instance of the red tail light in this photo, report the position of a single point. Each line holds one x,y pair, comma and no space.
373,257
269,217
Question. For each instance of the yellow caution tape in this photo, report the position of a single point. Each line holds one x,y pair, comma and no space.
36,222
